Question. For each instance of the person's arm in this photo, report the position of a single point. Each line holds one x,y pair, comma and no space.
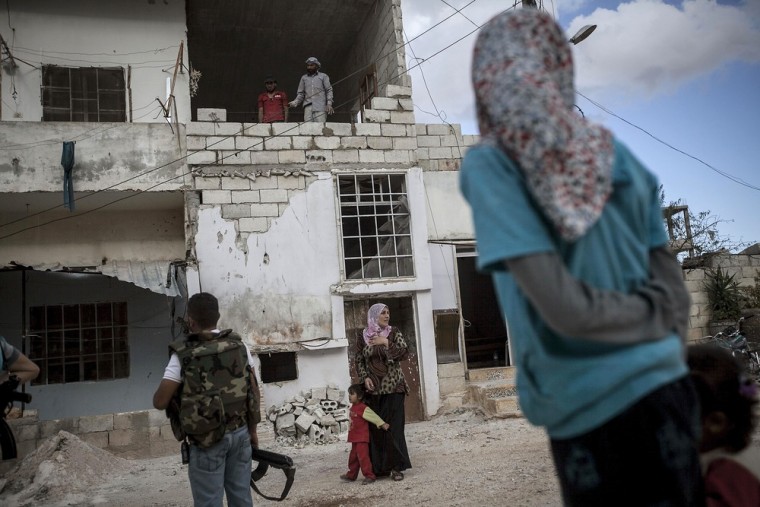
372,417
299,94
329,93
24,368
165,393
261,114
574,308
361,365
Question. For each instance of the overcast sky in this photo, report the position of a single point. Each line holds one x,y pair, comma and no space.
684,71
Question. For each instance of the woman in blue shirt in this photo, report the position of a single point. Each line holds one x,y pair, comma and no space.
569,223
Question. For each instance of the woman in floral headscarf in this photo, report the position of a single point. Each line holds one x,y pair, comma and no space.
568,222
381,348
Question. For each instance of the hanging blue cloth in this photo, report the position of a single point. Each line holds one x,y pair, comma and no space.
67,161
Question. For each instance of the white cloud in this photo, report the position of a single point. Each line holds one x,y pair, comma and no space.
647,47
642,49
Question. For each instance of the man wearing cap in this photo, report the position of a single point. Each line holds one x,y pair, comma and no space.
315,93
273,104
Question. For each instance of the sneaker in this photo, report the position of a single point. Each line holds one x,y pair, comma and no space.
345,477
367,480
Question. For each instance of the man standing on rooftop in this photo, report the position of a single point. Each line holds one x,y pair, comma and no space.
315,93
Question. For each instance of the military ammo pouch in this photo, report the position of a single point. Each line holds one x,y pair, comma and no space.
267,459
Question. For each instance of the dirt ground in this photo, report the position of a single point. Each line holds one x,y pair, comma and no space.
459,459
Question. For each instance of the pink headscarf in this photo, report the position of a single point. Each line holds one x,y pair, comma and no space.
373,328
522,73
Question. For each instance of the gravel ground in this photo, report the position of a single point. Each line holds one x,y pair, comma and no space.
459,459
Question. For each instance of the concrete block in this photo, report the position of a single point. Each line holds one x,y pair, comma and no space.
229,183
165,432
334,395
304,421
404,143
97,438
439,130
353,142
327,143
379,143
423,153
220,143
94,423
311,129
131,420
201,157
346,156
290,182
411,130
292,157
199,129
202,183
376,116
263,182
393,130
285,421
249,143
327,420
257,129
384,104
319,155
397,156
398,91
289,129
336,129
428,141
402,117
26,432
470,140
439,153
278,143
264,210
264,157
245,196
303,142
216,197
228,129
367,129
235,157
406,104
297,411
253,224
312,402
211,114
274,195
316,433
196,143
421,128
371,156
24,449
343,426
233,211
52,427
341,414
318,393
451,140
118,438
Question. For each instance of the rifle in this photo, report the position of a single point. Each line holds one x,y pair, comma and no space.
8,395
267,459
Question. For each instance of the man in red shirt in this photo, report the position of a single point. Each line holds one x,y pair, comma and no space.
273,104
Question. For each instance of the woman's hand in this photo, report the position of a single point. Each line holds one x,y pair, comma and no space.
369,385
378,340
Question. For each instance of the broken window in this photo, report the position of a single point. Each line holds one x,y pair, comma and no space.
374,216
278,367
79,343
83,94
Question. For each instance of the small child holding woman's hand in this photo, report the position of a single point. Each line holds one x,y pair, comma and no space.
731,466
358,434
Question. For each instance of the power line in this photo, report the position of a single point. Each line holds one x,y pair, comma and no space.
709,166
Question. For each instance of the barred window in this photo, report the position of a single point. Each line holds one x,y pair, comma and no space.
83,94
375,226
79,342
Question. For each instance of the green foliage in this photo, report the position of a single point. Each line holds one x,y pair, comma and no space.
723,295
752,294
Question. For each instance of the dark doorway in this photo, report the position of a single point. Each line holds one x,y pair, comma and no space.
485,334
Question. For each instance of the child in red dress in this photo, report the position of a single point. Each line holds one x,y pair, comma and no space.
730,464
358,434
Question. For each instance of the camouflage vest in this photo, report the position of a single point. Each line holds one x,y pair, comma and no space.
214,395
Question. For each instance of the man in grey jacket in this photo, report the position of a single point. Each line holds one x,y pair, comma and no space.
314,92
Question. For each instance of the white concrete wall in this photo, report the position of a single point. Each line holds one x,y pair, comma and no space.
449,215
445,282
88,33
149,336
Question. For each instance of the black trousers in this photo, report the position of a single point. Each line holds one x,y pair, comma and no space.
645,456
387,449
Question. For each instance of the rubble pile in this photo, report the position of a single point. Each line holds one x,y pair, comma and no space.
317,416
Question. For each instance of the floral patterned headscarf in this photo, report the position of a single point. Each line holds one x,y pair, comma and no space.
373,327
522,73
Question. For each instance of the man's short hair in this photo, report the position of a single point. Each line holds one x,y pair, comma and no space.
203,308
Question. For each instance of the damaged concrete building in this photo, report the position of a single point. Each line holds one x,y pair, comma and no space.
296,227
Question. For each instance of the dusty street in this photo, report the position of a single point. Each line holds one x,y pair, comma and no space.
459,459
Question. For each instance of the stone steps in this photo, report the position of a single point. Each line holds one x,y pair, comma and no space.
493,389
